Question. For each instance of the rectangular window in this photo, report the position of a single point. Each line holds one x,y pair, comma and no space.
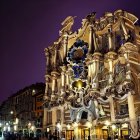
67,116
39,107
39,99
58,113
123,109
49,117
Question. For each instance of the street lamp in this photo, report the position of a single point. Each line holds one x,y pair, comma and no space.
16,124
7,124
11,112
48,129
11,122
16,121
33,130
9,128
15,127
29,126
113,127
4,128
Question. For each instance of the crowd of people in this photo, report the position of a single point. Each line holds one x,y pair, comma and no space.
33,136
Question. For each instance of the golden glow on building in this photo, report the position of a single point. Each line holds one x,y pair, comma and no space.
91,77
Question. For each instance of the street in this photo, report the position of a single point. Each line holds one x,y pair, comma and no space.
2,138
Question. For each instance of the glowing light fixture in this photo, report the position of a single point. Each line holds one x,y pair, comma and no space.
32,128
11,112
29,124
107,123
48,129
4,128
68,126
125,125
79,84
15,127
59,125
113,127
9,128
88,124
75,124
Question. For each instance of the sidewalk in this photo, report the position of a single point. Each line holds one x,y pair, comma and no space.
33,138
43,138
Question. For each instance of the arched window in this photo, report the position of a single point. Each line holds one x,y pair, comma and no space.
84,115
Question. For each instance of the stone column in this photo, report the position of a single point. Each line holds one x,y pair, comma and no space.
132,117
76,133
65,46
62,116
95,42
111,56
95,69
45,119
47,85
111,48
67,80
55,57
90,50
112,111
94,73
53,84
63,78
54,118
124,29
54,75
89,72
47,54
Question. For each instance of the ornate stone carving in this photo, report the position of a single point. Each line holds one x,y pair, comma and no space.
67,25
96,73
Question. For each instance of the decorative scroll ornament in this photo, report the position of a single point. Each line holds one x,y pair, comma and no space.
88,112
67,25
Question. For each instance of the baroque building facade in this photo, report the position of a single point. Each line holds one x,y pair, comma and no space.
92,78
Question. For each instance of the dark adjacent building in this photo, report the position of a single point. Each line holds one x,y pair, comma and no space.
20,108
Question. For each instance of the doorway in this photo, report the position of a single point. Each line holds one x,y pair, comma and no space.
69,134
84,133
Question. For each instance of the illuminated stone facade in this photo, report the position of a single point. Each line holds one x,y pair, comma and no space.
92,78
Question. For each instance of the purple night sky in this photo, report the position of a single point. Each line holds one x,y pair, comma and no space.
28,26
